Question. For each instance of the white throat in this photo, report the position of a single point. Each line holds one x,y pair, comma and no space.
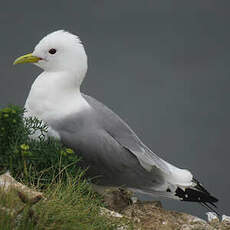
55,95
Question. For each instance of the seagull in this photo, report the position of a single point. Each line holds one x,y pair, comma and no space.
110,150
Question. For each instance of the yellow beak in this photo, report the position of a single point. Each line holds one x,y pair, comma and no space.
28,58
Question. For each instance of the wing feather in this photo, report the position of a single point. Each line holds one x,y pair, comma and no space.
126,137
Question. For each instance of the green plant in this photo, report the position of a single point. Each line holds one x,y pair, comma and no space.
50,167
38,160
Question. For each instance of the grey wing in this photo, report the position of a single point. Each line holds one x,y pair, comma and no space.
107,162
126,137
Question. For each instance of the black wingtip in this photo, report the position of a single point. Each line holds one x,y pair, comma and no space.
196,193
201,197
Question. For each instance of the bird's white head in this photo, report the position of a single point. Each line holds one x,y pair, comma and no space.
59,51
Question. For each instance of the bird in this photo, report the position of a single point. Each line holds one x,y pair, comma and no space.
110,150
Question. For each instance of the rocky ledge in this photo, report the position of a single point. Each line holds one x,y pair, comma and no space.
151,215
142,215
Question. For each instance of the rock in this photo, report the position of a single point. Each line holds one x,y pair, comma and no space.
109,213
27,195
123,222
117,199
152,216
212,217
225,222
20,196
142,215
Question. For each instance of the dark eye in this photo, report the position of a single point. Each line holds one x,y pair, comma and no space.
52,51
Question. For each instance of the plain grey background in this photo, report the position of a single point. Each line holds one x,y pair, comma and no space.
163,66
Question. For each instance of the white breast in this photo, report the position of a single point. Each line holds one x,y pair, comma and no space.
51,100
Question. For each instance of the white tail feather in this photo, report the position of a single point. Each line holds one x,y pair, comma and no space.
179,177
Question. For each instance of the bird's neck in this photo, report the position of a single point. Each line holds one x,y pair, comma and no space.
55,94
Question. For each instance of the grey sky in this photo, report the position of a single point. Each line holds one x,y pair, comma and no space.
163,66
